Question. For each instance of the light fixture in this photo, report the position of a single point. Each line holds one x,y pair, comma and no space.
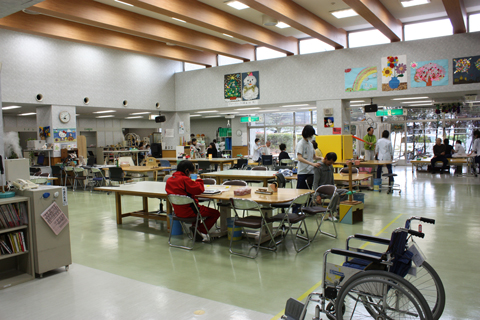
127,4
305,108
109,116
106,111
179,20
27,114
421,104
345,13
137,113
11,107
135,117
212,117
152,117
227,35
414,98
357,101
282,25
76,115
295,105
195,115
415,102
268,110
242,109
209,111
236,4
232,112
268,21
357,105
411,3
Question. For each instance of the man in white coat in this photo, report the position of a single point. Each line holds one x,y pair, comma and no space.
384,152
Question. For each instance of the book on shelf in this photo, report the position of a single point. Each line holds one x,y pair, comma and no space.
12,243
13,215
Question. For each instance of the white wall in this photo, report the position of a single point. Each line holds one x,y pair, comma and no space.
19,124
207,126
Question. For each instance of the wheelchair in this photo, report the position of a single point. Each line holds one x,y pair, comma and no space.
373,285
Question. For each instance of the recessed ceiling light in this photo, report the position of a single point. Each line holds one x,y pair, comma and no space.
414,98
106,111
77,114
127,4
227,35
179,20
357,105
242,109
27,114
231,112
237,5
411,3
212,117
340,14
282,25
414,102
135,117
209,111
195,115
137,113
109,116
295,105
421,104
305,108
11,107
357,101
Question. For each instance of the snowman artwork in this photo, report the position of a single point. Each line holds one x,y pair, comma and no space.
250,88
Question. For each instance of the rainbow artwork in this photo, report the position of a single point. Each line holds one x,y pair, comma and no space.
361,79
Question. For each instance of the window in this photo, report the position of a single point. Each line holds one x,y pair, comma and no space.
224,60
474,22
366,38
429,29
314,45
280,118
278,135
193,66
264,53
314,116
260,122
303,118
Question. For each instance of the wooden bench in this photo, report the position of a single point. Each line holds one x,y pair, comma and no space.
427,162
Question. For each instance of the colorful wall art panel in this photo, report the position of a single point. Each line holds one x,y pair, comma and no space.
466,70
394,73
251,85
361,79
61,135
429,73
328,122
232,87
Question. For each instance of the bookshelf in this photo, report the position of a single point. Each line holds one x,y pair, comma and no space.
16,267
224,137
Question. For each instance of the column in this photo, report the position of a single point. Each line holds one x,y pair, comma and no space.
175,129
340,116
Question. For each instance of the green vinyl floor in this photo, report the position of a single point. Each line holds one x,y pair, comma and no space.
139,250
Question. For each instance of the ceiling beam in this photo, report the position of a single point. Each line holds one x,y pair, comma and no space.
203,15
458,15
115,19
379,17
66,30
301,19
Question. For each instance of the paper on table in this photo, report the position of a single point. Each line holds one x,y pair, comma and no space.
55,218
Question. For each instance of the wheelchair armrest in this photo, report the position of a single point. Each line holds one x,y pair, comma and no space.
366,237
358,255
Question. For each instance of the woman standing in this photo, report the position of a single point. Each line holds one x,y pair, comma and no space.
305,157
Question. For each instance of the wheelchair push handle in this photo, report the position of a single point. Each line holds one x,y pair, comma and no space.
416,233
427,220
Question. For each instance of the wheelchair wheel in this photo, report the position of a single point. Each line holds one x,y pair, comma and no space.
431,287
380,295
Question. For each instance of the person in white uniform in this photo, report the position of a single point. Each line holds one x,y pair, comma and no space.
256,150
476,148
459,149
384,152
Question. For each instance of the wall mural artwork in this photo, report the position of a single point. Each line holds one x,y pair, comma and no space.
61,135
251,85
232,87
429,73
361,79
466,70
394,73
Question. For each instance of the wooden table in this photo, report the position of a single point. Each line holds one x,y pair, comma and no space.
118,152
342,177
142,169
451,161
219,161
369,164
241,175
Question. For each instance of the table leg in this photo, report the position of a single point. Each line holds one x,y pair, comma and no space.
169,211
155,175
221,166
374,175
265,182
145,205
118,206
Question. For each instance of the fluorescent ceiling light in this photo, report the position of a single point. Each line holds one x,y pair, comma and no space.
10,107
305,108
195,115
282,25
109,116
414,98
233,112
106,111
296,105
357,105
421,104
127,4
135,117
209,111
27,114
237,5
179,20
77,114
411,3
242,109
357,101
212,117
340,14
268,110
414,102
227,35
137,113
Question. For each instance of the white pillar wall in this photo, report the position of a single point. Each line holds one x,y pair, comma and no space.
172,122
341,116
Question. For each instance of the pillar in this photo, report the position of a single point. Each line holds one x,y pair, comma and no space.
341,116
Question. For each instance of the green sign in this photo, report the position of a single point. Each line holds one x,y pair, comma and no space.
249,119
389,113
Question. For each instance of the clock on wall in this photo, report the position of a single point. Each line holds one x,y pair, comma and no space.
64,116
239,133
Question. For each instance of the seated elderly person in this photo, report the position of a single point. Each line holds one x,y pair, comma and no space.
324,173
439,151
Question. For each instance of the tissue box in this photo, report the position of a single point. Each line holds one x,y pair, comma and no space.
242,191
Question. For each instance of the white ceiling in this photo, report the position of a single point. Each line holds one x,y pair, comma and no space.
7,7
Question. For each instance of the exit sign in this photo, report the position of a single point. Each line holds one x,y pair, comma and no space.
249,119
391,112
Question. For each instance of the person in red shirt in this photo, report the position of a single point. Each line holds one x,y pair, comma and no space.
181,183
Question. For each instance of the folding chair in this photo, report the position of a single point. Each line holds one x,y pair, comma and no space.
287,163
258,168
116,174
180,200
293,218
57,172
281,184
320,210
251,222
207,181
97,178
69,174
240,164
79,176
267,160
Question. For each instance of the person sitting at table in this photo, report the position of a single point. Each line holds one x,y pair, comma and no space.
323,174
439,155
266,149
448,148
212,149
459,149
194,148
476,147
283,154
181,183
384,152
318,152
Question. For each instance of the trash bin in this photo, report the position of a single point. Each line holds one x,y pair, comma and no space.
376,184
359,197
175,226
237,232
